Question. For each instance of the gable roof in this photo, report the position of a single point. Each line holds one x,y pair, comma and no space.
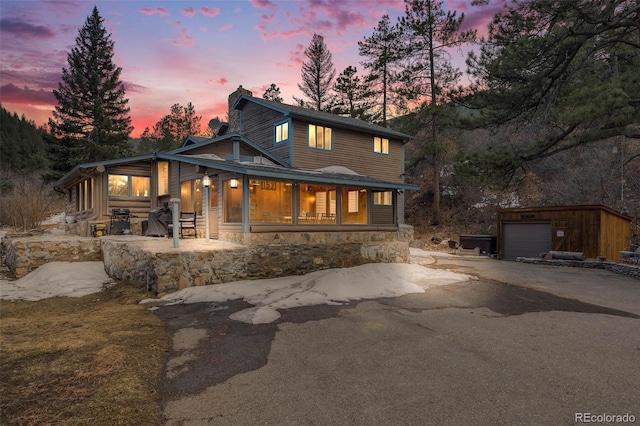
322,117
192,142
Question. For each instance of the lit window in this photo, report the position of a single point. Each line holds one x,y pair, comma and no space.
282,132
319,137
191,196
381,145
232,202
163,177
317,204
382,198
354,206
270,201
128,186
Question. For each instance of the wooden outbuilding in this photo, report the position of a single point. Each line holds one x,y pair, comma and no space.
595,230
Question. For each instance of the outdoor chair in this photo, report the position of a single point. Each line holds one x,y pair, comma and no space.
188,221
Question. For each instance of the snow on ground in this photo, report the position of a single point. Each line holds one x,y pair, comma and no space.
72,279
330,286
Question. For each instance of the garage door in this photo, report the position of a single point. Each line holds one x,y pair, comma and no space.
525,239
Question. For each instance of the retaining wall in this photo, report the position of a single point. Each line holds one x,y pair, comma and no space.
619,268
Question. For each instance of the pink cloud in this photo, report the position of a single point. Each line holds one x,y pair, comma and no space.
297,55
25,29
226,27
156,11
190,12
184,40
480,17
11,93
263,4
210,12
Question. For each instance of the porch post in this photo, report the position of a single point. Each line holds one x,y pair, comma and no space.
176,222
205,183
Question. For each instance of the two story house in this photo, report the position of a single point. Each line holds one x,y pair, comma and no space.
273,168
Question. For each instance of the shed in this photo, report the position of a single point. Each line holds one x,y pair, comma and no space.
594,230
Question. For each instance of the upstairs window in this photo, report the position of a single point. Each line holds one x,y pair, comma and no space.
282,132
381,145
320,137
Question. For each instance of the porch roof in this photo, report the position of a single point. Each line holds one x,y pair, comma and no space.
285,173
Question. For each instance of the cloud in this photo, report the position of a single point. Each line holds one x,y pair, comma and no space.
222,81
130,87
297,55
210,12
226,27
263,4
190,12
25,29
480,17
155,11
11,93
184,40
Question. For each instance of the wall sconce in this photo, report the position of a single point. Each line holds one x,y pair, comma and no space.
309,188
205,180
233,183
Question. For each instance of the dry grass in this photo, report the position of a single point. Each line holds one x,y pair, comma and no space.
78,361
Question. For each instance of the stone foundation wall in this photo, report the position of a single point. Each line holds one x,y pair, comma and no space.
23,255
272,255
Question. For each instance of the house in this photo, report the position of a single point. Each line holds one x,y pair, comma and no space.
595,230
273,168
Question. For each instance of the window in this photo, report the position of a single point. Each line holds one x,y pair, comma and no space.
232,200
319,137
381,145
163,177
354,205
270,201
317,204
191,196
128,186
84,200
382,198
282,132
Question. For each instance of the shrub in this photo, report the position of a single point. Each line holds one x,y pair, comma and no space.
26,202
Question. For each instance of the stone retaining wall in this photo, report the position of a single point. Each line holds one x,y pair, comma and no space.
23,255
278,255
619,268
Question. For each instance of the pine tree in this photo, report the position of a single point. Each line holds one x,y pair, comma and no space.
427,71
91,121
382,52
353,97
272,93
318,74
171,130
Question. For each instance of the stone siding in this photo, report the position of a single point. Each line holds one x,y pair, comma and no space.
23,255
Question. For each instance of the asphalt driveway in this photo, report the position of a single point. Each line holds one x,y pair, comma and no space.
523,344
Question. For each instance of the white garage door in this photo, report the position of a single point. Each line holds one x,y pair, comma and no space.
525,239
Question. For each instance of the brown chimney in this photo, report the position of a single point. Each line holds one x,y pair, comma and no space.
234,114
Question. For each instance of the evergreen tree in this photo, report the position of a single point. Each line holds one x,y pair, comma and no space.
22,144
318,74
353,97
382,52
559,74
171,130
427,71
91,121
272,93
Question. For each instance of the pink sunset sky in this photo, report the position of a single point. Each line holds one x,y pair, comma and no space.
190,51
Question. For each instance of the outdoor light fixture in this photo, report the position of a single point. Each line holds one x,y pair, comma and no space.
233,183
205,180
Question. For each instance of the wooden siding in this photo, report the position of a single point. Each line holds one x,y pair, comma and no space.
381,215
351,149
593,230
258,125
222,149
